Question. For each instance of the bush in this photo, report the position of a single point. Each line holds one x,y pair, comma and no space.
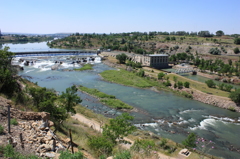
180,85
175,85
161,75
232,109
190,140
100,145
145,146
141,73
176,47
210,83
13,121
237,41
123,155
9,151
68,155
1,129
168,83
214,51
186,84
187,95
163,142
236,50
235,96
121,58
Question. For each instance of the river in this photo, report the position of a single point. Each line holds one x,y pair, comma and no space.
163,113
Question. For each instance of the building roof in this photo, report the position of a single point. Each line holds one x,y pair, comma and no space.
158,55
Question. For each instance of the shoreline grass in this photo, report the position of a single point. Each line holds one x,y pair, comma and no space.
109,100
116,104
95,92
85,67
127,78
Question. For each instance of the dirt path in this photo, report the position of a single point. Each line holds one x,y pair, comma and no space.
97,126
89,122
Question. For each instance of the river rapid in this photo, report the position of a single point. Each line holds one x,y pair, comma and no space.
162,113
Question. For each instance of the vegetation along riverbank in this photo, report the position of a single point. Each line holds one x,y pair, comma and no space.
148,77
109,100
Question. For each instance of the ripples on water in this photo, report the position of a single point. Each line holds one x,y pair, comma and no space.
163,113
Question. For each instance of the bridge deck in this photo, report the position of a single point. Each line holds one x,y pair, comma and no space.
54,53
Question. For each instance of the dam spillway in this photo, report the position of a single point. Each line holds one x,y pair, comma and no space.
55,53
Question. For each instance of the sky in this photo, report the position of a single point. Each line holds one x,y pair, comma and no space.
117,16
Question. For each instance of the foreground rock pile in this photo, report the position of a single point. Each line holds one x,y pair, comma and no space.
32,135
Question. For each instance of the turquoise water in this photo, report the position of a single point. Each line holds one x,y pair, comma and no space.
160,112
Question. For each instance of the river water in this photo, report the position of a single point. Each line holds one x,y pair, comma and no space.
163,113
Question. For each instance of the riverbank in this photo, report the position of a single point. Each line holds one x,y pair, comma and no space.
218,101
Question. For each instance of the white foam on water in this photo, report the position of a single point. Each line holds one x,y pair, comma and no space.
170,124
151,124
226,119
182,122
191,120
29,70
44,69
67,65
42,64
188,111
146,124
160,121
204,124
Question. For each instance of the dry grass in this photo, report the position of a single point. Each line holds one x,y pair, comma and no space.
90,114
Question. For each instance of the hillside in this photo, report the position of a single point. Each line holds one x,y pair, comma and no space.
148,43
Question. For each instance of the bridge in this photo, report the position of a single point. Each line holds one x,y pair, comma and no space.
55,53
185,70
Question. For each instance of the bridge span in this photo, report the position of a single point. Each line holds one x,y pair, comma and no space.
56,53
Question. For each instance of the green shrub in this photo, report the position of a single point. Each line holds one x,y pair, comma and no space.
163,142
68,155
232,109
9,151
1,129
214,51
210,83
123,155
235,96
186,84
175,85
187,95
236,50
168,83
161,75
190,140
180,85
100,145
13,121
237,41
146,146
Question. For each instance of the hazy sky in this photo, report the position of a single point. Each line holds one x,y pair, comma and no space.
105,16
